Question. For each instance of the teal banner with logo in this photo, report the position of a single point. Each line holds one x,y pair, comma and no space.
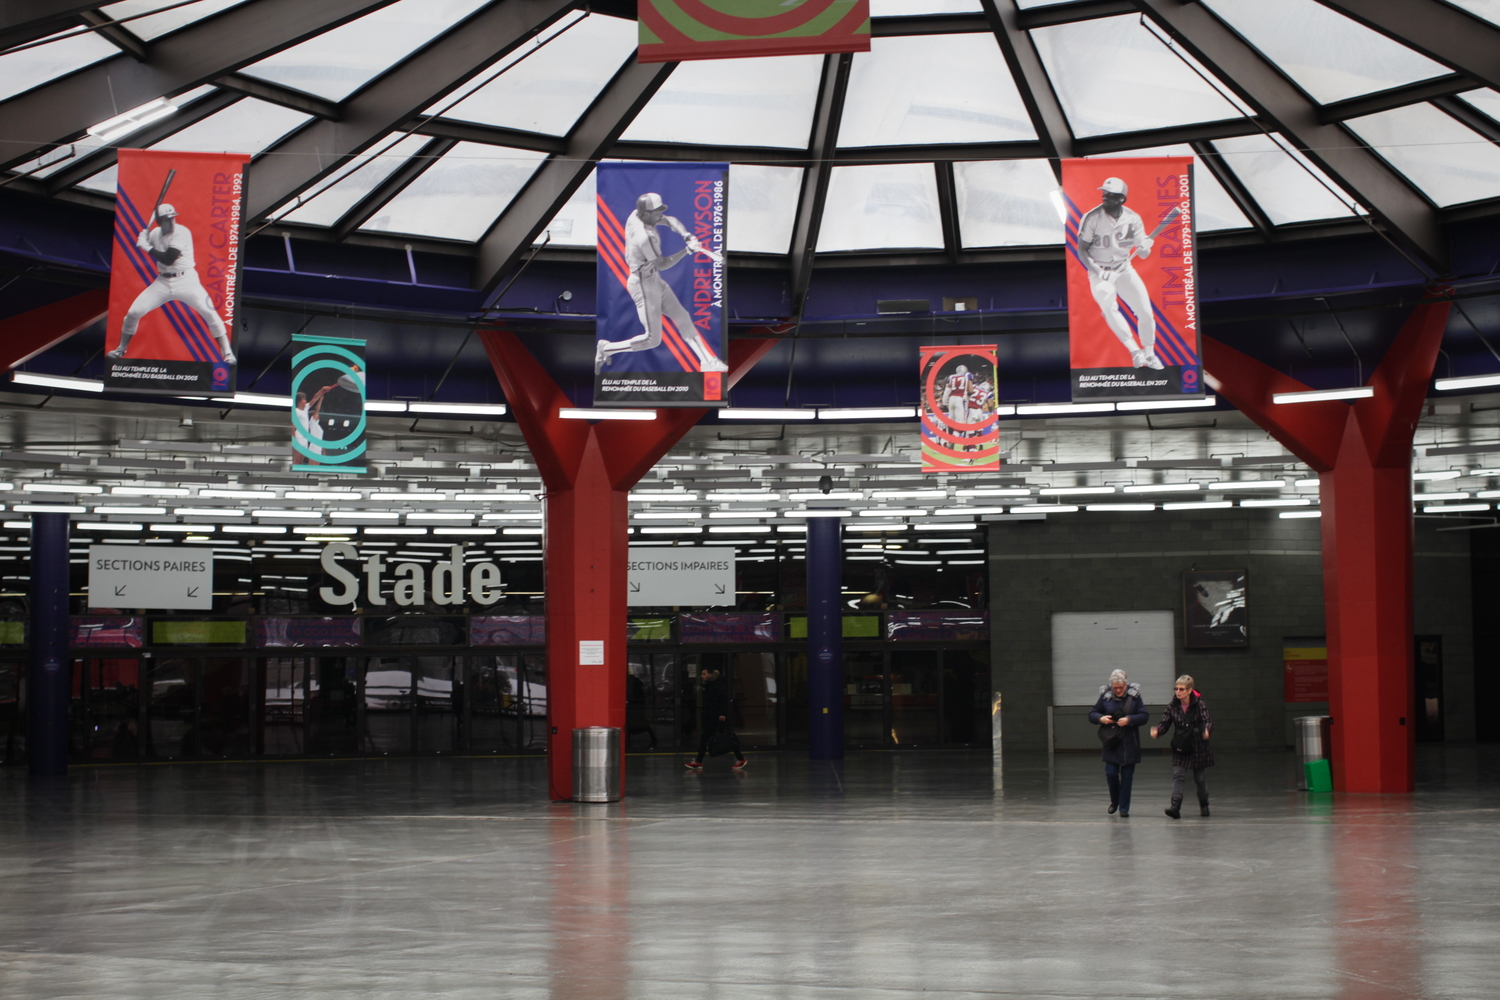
328,404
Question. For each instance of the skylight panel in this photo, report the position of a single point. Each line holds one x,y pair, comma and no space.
246,126
150,26
1216,210
893,206
932,89
1487,9
335,197
1286,186
21,71
1448,161
461,195
762,207
734,102
1113,75
1003,203
897,8
1486,102
575,224
338,62
1330,56
547,90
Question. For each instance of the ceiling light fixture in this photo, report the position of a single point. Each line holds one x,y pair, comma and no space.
1317,395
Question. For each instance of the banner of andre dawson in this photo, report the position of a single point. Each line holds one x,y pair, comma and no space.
960,428
174,279
1132,278
660,328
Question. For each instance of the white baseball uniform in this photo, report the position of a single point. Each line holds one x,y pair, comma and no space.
979,401
653,298
175,282
1108,242
956,396
314,427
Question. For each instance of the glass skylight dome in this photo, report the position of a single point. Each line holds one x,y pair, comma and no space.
471,126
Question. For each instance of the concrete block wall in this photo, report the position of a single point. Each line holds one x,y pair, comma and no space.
1134,562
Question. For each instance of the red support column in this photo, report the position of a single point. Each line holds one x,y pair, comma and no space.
587,469
25,336
1362,453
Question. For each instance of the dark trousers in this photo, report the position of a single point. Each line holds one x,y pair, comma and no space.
707,729
1120,778
1179,783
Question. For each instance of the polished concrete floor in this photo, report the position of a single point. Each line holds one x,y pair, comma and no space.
887,876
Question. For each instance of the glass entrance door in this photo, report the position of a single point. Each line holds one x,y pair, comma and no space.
105,711
914,699
865,701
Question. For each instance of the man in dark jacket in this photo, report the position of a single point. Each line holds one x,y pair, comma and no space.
713,715
1119,713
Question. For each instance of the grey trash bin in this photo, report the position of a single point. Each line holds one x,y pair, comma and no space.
1312,744
596,764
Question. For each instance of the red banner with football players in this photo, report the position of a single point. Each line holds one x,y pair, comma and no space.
174,279
960,428
1132,278
673,30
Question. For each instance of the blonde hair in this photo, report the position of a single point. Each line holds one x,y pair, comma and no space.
1184,679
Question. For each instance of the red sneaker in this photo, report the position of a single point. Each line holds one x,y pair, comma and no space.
696,765
739,765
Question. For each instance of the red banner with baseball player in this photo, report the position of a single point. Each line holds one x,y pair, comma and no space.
1132,278
174,279
673,30
960,428
660,326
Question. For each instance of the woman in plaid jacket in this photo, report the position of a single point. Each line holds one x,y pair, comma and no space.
1189,713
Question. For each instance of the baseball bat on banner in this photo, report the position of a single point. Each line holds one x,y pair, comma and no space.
1166,220
171,176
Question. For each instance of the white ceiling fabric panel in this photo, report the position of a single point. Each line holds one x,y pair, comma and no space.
898,8
1282,181
1004,203
1448,161
734,102
762,207
21,71
548,89
459,196
576,223
1330,56
1113,75
338,62
148,26
1485,101
933,89
1487,9
361,176
893,206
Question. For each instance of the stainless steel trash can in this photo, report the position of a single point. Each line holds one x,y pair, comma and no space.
1312,744
596,764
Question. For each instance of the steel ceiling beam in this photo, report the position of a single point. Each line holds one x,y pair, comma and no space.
1471,116
1070,13
1237,191
66,107
312,153
1042,104
1396,97
272,93
1469,44
827,115
1406,217
558,177
116,34
23,21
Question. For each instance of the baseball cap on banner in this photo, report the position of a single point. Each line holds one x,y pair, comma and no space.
1113,185
165,211
650,202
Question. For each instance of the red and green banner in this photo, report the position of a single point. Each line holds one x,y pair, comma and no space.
674,30
960,424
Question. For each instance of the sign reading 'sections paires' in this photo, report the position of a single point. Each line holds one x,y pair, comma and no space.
161,577
672,576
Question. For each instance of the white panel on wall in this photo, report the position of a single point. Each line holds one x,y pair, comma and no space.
1086,646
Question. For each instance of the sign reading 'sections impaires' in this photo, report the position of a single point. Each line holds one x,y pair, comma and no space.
158,577
672,576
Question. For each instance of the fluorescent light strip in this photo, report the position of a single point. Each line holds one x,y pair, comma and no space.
670,531
385,406
254,529
47,508
259,399
764,413
1248,484
666,515
1044,508
1167,404
132,511
192,529
57,382
1428,477
460,409
60,488
739,529
742,513
1164,488
578,413
1199,505
816,513
304,514
894,512
868,413
967,511
1038,409
106,526
1278,502
1315,395
1424,497
463,531
1455,508
113,129
1015,492
1466,382
208,512
322,529
1300,513
1105,508
396,531
1076,491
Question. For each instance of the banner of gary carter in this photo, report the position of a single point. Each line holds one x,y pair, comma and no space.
174,279
662,281
1132,278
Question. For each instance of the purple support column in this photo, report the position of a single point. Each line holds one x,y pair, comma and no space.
825,640
49,674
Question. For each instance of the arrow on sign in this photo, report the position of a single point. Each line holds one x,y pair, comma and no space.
192,591
635,588
718,588
120,590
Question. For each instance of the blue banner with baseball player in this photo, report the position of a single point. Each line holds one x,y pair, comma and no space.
328,404
1132,278
174,276
660,328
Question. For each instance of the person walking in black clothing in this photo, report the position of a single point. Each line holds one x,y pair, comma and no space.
1119,713
713,717
1189,713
